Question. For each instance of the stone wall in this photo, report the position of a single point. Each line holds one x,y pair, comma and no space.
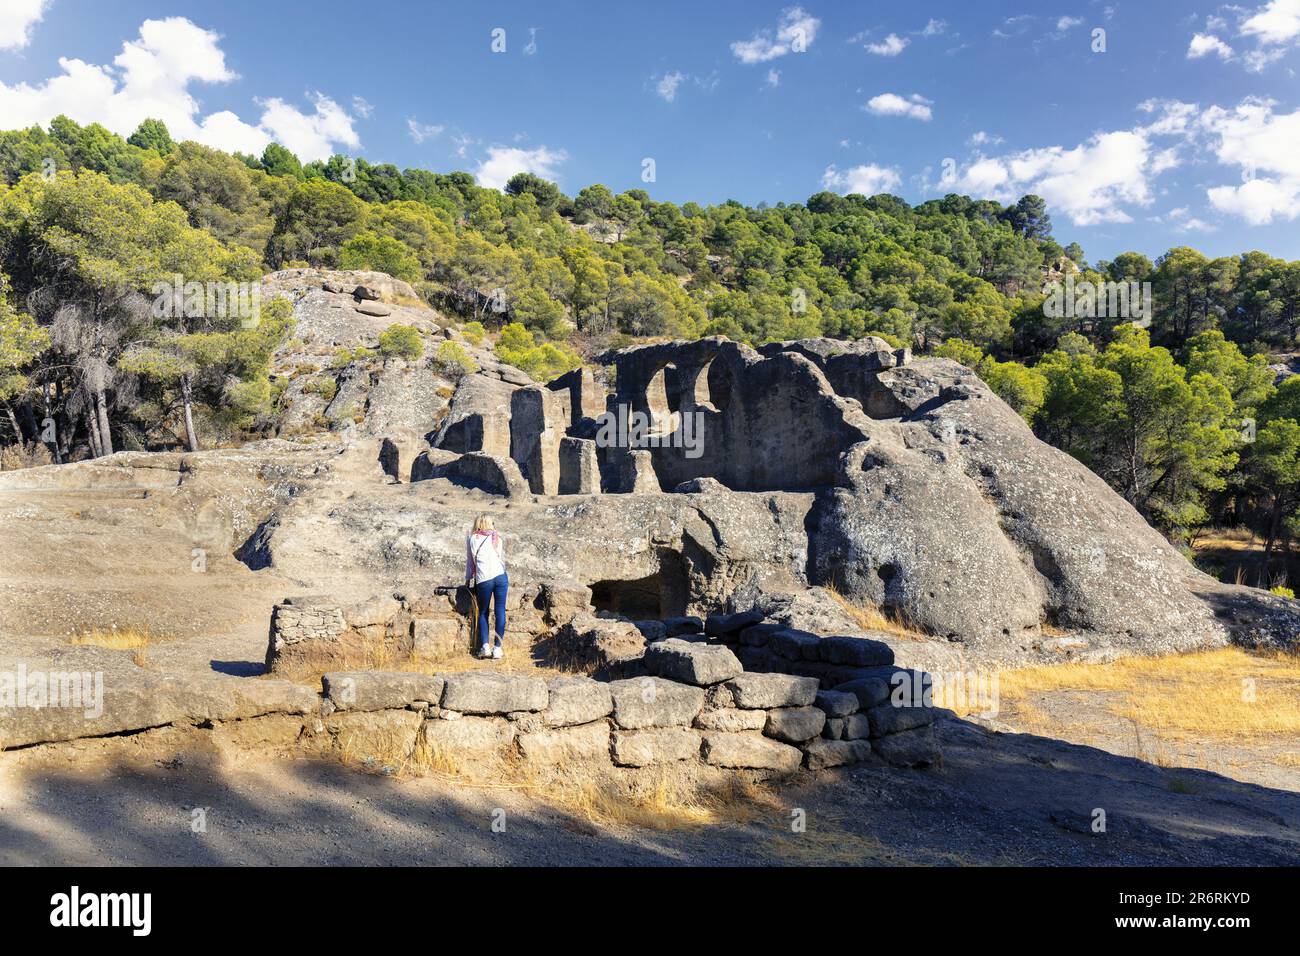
315,633
734,691
698,704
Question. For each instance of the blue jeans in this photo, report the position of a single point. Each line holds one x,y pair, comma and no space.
494,592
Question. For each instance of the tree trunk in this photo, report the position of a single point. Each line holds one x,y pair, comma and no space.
93,429
49,417
187,400
101,411
13,421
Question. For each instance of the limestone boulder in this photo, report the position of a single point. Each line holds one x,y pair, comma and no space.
748,751
468,735
836,703
487,692
564,745
380,690
764,691
794,724
730,719
821,754
654,745
887,719
691,663
641,702
591,641
577,700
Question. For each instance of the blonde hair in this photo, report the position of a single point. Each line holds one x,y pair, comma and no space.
483,523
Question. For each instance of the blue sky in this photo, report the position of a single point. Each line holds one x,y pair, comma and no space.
1185,129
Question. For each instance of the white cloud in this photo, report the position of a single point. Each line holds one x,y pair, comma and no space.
1013,26
1265,147
505,161
1090,183
667,85
794,34
17,17
1276,23
892,45
773,77
1274,30
866,180
362,106
1065,24
981,138
151,78
1204,44
891,104
934,27
462,142
1184,221
1097,180
422,131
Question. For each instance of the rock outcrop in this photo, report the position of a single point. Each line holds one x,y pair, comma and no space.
905,485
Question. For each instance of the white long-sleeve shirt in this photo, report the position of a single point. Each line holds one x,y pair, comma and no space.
484,552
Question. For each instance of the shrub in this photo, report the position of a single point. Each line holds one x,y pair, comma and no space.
1283,591
894,340
325,387
474,332
454,361
344,357
518,347
402,341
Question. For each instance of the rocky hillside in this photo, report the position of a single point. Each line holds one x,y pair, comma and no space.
901,484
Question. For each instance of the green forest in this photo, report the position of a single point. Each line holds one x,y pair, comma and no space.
1182,416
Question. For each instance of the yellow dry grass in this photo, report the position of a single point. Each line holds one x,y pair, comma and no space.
667,798
125,639
375,655
871,618
1227,694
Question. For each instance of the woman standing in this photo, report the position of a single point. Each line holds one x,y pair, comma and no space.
485,572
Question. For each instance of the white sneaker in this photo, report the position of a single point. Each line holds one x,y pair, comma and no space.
484,652
496,653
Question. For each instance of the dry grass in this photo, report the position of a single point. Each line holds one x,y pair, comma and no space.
666,798
1160,706
124,639
375,655
1230,539
871,618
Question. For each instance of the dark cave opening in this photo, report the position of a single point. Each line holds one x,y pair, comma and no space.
656,596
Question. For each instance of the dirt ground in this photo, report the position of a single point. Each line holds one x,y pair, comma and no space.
74,560
999,799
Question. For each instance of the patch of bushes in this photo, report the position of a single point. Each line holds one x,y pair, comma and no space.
325,387
453,361
345,357
518,347
401,341
474,333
